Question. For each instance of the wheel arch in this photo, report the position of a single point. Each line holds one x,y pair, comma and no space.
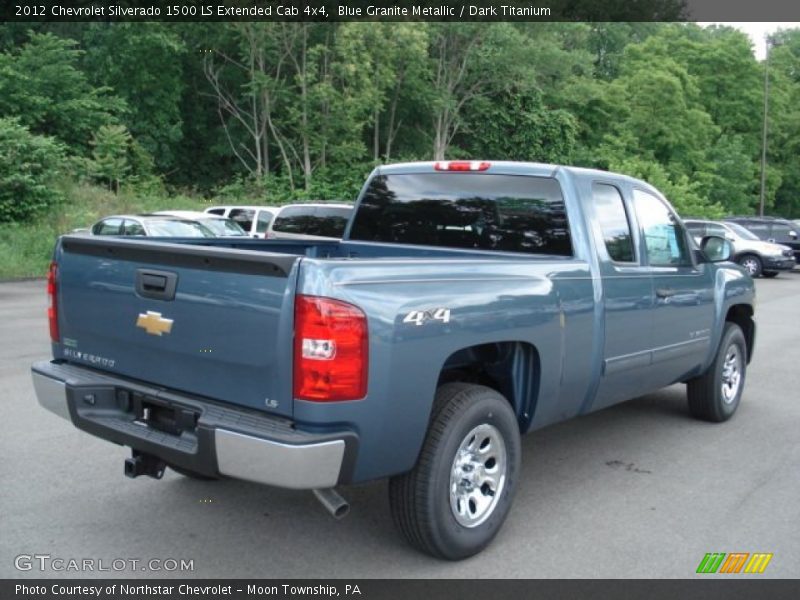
511,368
742,315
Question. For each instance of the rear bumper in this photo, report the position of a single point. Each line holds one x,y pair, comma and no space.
199,435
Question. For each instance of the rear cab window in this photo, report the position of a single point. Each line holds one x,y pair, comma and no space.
510,213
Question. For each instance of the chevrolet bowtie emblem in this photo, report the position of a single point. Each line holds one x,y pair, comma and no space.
153,323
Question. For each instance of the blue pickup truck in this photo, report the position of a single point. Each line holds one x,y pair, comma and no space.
468,303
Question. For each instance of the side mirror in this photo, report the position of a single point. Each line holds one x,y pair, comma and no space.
715,248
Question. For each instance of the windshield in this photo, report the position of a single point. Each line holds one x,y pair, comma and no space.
223,227
168,228
741,231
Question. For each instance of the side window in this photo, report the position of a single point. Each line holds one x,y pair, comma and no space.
264,218
244,217
760,229
663,236
614,222
216,211
782,233
718,230
108,227
696,230
133,228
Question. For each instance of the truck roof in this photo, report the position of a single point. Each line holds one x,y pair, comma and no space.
505,167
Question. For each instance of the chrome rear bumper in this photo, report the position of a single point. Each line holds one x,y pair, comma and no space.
224,441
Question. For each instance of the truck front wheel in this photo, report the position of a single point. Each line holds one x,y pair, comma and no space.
454,501
715,395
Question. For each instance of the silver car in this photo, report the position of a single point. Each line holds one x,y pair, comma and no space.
150,225
756,256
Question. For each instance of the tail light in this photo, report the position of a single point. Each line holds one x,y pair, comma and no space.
52,302
330,350
461,165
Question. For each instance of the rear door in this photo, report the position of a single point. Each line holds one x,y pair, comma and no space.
215,322
627,297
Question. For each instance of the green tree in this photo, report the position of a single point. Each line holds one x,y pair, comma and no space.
470,61
142,63
41,84
515,125
30,168
111,147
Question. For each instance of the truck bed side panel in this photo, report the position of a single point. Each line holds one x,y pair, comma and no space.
543,303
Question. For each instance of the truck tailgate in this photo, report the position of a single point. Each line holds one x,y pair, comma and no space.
211,321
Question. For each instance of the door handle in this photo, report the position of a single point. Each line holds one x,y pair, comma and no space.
665,292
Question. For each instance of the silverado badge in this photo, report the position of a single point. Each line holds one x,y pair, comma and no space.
153,323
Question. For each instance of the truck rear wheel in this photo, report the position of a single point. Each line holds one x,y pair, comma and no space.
715,395
454,501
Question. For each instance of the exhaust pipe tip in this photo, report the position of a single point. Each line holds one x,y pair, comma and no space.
330,499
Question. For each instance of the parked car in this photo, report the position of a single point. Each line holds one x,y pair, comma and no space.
150,225
221,226
310,221
772,229
253,219
756,256
468,303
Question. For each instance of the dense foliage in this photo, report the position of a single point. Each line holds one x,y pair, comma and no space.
277,111
29,169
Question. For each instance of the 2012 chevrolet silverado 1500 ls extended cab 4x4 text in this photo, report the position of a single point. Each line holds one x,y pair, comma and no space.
468,303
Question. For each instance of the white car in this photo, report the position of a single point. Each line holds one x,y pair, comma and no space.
315,220
221,226
253,219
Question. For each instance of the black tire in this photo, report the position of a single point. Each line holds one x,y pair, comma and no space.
192,474
422,506
769,274
752,264
707,395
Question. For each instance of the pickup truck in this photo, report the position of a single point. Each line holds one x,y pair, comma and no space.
468,303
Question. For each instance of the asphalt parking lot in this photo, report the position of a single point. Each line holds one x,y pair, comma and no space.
637,490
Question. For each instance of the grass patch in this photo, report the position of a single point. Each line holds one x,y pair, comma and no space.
26,249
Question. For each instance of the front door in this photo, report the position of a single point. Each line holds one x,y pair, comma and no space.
683,309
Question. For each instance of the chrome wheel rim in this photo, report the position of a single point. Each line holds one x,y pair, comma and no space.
751,266
478,475
731,374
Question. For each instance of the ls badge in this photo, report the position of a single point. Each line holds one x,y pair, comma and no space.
153,323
